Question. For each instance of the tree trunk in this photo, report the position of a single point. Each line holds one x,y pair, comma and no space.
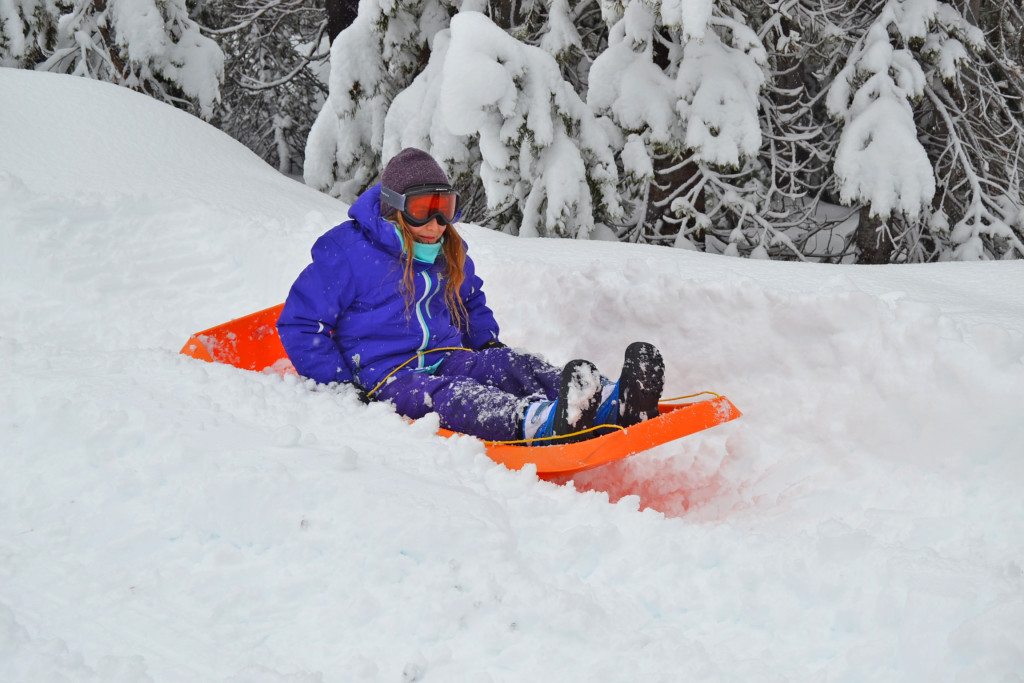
872,240
111,46
666,181
340,14
503,12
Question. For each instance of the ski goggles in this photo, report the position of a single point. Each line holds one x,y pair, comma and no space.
420,205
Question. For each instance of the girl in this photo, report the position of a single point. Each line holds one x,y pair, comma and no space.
392,304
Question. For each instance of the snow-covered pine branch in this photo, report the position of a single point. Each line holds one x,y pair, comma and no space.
275,73
489,102
717,86
880,160
790,192
928,140
26,28
415,119
147,45
683,79
977,133
372,60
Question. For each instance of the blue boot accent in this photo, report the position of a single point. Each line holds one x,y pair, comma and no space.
581,389
548,428
608,411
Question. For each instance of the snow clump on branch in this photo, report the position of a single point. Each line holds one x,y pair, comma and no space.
541,150
372,60
152,46
689,121
880,159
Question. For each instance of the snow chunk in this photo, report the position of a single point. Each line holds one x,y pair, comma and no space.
585,383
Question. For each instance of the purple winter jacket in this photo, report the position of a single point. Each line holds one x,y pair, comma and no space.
345,318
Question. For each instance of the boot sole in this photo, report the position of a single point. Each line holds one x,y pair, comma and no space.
641,383
578,400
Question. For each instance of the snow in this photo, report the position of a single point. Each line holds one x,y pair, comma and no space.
718,87
167,519
12,30
483,88
143,44
709,107
584,390
689,15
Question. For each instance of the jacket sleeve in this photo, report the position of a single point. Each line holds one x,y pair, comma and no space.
309,320
481,327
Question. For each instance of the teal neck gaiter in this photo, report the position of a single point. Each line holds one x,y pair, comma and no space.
424,253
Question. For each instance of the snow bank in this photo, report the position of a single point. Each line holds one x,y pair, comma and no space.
169,519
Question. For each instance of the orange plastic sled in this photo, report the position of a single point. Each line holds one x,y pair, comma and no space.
251,343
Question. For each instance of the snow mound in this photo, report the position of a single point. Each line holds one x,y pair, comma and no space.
168,519
106,140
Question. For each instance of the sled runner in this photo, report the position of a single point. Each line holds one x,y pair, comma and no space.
251,343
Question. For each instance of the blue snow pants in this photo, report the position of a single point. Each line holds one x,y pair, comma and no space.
483,393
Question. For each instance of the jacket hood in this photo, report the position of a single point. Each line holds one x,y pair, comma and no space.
365,211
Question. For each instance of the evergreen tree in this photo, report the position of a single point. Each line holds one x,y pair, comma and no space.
275,73
681,82
516,138
147,45
930,145
27,31
372,60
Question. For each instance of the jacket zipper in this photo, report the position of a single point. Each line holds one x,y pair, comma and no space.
423,323
431,298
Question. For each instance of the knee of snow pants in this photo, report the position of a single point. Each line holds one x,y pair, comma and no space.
516,373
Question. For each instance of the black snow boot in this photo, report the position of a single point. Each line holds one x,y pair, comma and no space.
578,399
641,383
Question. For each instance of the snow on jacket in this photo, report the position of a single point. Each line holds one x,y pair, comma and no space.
346,317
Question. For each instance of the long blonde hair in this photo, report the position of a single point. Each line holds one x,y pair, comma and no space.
455,263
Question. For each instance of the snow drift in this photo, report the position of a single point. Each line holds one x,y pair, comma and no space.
166,519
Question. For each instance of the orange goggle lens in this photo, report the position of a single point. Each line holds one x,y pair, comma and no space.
422,207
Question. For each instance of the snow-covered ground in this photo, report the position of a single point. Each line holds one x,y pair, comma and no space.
167,519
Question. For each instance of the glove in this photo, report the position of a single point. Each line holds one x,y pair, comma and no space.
493,344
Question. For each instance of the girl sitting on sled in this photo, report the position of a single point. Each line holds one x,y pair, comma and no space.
392,292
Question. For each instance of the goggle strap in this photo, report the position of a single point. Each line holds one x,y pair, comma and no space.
392,198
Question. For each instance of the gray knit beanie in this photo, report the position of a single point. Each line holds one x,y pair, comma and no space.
412,167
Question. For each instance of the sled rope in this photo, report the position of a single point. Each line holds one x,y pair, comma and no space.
511,442
681,398
602,426
381,383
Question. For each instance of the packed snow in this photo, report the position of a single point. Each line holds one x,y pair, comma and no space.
170,520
